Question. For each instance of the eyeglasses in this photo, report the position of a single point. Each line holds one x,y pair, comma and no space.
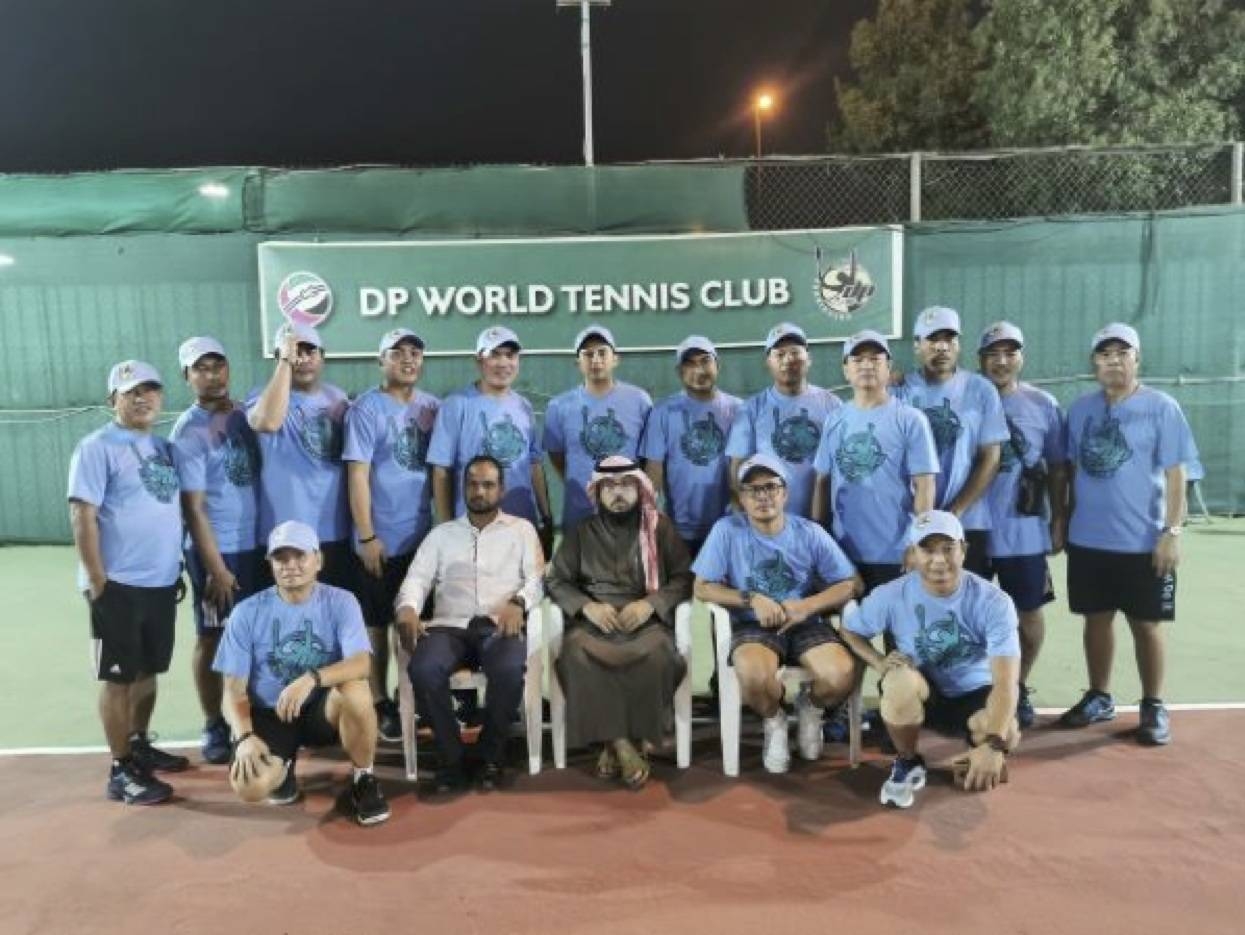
616,483
757,491
596,353
405,352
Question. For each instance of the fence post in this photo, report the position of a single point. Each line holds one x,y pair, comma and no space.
1238,157
914,187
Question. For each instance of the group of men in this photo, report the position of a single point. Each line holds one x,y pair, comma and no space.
309,528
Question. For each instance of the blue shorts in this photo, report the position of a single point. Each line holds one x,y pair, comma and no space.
246,567
788,645
1025,578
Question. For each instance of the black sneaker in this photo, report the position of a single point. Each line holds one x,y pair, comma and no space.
1094,707
491,777
289,791
153,760
1025,715
214,744
1155,727
128,782
370,807
388,721
449,780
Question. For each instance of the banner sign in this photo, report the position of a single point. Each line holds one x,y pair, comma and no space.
651,292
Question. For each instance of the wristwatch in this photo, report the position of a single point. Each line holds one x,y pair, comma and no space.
996,743
1172,530
746,597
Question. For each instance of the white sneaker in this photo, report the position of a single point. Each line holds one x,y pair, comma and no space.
775,754
906,779
808,725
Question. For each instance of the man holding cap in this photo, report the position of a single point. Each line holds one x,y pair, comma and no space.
388,429
603,417
127,528
685,444
780,576
966,418
1127,444
955,663
1028,512
784,420
299,420
876,465
490,418
218,465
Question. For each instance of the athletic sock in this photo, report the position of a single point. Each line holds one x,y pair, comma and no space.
361,771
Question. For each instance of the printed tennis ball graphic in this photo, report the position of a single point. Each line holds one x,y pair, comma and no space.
305,299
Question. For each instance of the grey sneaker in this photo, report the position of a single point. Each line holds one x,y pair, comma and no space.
808,726
1155,727
1094,706
906,779
776,752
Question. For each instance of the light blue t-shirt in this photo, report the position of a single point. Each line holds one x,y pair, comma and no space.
801,560
688,437
586,428
871,456
471,423
270,643
303,477
1120,453
1035,424
789,428
131,479
393,438
217,454
964,414
951,639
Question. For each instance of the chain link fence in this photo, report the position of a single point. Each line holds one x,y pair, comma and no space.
838,191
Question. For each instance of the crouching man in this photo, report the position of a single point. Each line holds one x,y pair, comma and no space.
956,663
295,660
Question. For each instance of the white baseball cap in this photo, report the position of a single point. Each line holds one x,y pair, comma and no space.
193,349
936,318
293,535
762,462
1000,331
936,523
1116,331
861,338
784,329
304,334
694,342
491,339
395,337
595,331
128,374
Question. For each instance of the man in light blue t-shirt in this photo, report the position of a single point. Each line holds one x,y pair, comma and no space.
388,429
784,420
299,420
876,465
966,418
781,576
685,444
1028,513
127,528
600,418
490,418
218,465
956,662
1128,445
294,659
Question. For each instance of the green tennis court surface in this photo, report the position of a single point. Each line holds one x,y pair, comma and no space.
49,694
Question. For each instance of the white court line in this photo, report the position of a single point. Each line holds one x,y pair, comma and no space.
192,744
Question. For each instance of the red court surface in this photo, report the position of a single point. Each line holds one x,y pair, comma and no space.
1093,834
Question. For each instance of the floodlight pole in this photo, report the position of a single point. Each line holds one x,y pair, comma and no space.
585,52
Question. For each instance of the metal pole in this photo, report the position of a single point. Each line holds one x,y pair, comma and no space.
585,49
1238,160
756,114
914,187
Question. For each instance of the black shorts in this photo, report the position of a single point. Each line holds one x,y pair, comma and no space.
1101,581
789,645
875,575
310,729
1025,578
133,629
376,595
949,715
977,561
245,567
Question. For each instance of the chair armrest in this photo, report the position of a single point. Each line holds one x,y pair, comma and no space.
535,631
683,628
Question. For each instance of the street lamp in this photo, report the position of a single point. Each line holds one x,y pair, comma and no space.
763,102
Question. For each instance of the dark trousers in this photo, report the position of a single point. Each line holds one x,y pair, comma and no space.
440,653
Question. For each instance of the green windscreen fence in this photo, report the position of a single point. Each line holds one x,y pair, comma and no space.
98,268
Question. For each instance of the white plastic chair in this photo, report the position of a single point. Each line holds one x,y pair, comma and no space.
731,704
474,679
682,694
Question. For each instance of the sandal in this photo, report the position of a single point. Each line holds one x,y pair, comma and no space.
634,767
607,763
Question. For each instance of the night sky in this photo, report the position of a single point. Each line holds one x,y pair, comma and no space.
150,83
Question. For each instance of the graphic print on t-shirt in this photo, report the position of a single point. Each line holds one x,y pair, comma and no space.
771,576
940,643
702,440
1014,449
945,425
859,455
1105,448
795,438
297,653
602,436
240,458
410,443
502,439
321,437
158,475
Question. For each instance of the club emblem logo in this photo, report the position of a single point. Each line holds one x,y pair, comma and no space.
304,299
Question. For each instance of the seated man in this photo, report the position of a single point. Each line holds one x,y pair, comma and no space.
780,575
956,662
483,571
619,576
295,659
